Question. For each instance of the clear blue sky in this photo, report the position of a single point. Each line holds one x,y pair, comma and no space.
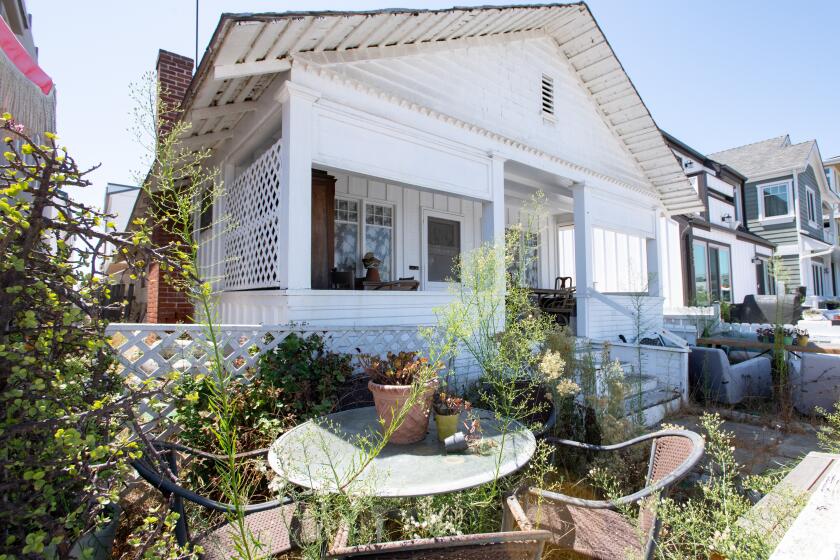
716,74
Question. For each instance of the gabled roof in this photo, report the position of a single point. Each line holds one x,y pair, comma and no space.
766,157
702,158
248,50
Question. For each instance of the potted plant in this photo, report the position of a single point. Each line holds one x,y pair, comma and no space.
392,381
787,334
448,409
802,337
766,334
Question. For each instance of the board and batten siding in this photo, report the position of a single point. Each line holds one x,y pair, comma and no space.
409,205
808,179
498,87
780,234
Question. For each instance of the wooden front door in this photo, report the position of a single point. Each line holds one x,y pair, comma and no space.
323,228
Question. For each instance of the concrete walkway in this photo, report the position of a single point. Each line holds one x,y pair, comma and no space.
758,447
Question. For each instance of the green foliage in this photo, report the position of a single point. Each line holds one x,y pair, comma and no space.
717,517
296,381
402,368
63,445
307,375
829,434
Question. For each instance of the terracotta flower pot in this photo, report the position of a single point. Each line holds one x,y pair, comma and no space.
389,399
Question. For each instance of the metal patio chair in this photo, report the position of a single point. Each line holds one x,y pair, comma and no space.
522,544
594,527
269,522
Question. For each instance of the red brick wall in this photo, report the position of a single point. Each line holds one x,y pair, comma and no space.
165,304
174,73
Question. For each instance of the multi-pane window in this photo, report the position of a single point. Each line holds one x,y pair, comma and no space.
379,236
525,264
817,275
775,200
765,283
346,234
354,237
811,203
712,273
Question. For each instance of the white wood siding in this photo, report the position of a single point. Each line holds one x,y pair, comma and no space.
498,87
671,263
718,209
409,205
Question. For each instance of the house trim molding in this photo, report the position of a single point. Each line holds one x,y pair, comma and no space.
322,71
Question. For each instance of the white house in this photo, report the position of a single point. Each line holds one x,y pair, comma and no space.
714,256
417,135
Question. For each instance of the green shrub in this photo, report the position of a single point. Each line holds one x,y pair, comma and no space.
296,381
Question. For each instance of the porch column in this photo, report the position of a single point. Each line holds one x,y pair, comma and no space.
296,180
655,255
582,198
493,212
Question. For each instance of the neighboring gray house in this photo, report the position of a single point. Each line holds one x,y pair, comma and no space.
720,258
789,202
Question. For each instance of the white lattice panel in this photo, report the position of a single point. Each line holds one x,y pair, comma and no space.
150,352
252,253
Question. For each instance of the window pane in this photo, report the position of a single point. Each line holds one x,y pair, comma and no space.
346,251
525,258
701,284
761,278
714,274
725,275
776,200
379,241
444,240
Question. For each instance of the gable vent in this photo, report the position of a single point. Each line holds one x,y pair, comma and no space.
547,96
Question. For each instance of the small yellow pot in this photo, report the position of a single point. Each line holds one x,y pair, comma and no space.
803,340
446,425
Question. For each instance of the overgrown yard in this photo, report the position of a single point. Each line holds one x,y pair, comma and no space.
84,472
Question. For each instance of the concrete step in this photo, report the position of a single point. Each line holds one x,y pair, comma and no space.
655,404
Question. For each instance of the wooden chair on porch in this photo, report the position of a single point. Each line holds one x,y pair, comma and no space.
594,527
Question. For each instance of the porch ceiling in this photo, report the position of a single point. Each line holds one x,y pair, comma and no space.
248,50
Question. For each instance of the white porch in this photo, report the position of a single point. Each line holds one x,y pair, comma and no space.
262,247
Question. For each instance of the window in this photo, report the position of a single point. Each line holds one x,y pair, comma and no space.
355,236
765,283
547,89
346,234
712,273
811,203
817,276
443,249
525,261
774,200
379,236
701,284
830,175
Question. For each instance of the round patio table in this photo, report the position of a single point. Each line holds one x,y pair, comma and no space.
321,454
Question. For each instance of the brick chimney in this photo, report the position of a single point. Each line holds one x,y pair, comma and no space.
174,74
164,303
